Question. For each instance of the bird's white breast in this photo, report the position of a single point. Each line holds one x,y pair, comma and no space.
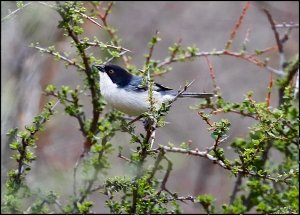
131,103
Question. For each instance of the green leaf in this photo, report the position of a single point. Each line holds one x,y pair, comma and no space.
85,206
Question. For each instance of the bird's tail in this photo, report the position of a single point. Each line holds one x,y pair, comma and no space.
197,95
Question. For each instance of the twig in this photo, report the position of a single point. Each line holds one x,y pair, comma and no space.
212,73
236,188
58,55
166,177
124,158
135,119
176,49
106,11
263,51
275,71
192,152
286,36
159,158
151,48
182,91
110,59
74,175
287,25
220,110
82,14
89,18
201,114
246,40
268,98
237,26
279,44
216,161
208,149
110,31
99,44
247,57
15,11
183,198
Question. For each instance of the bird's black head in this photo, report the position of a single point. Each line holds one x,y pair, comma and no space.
117,74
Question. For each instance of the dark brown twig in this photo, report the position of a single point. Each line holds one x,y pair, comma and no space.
270,18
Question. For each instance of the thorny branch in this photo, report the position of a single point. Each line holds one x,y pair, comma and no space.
216,161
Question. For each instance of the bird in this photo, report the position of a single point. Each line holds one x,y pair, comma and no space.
127,93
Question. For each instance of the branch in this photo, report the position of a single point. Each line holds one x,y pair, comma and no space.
247,57
216,161
192,152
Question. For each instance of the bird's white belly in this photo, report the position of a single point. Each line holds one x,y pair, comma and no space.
131,103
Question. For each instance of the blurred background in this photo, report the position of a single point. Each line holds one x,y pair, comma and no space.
25,73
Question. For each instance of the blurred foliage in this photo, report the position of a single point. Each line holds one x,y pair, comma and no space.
267,187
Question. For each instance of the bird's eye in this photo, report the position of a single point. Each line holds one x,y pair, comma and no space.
111,71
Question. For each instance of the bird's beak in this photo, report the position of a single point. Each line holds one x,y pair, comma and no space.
100,67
